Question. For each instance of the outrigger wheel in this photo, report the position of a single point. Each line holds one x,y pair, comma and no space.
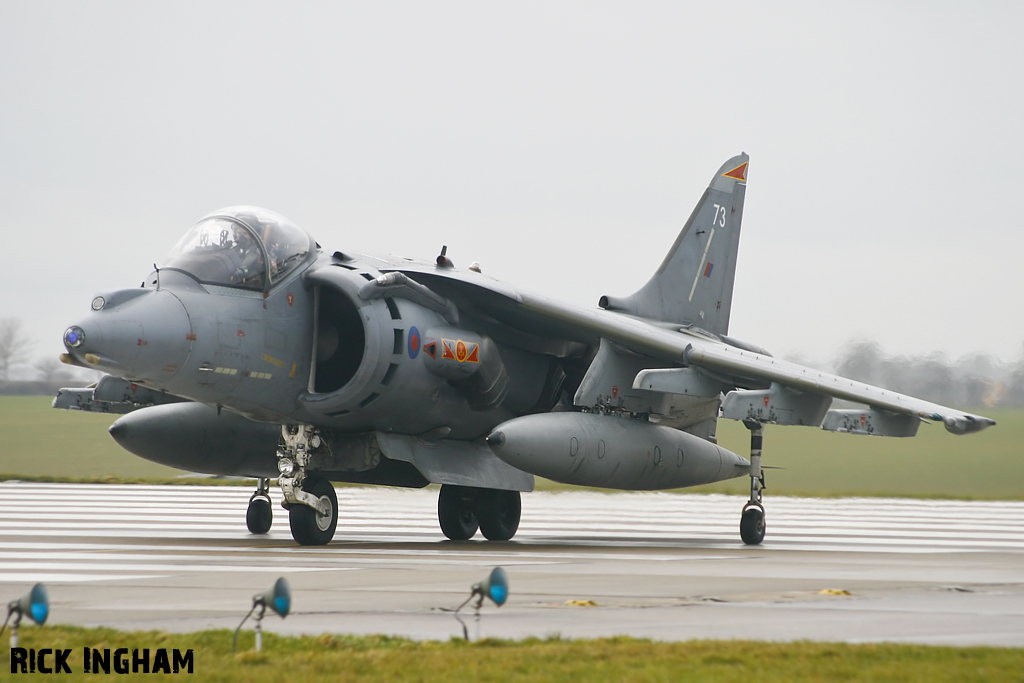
309,527
752,526
260,514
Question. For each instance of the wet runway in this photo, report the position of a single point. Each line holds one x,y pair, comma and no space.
661,566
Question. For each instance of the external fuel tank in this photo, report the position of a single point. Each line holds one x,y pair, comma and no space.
592,449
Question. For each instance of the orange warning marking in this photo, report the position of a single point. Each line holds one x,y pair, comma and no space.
446,349
474,354
738,173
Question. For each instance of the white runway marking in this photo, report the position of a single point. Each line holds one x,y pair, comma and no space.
181,558
88,513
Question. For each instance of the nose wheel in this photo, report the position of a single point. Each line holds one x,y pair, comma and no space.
752,526
260,514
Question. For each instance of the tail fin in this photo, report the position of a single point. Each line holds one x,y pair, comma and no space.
694,282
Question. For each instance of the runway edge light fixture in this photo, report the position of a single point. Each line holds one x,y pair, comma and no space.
494,588
278,598
35,604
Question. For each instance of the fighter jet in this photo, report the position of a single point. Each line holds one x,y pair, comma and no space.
252,351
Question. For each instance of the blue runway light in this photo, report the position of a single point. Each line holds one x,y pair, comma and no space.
40,604
35,605
278,598
282,601
497,586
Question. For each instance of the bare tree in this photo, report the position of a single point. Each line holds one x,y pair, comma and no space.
14,346
50,369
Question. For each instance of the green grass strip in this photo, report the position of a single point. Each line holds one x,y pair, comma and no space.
382,658
38,443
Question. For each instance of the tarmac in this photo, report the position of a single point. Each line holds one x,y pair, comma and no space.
583,564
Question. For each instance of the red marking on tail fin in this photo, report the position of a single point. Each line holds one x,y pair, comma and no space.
738,173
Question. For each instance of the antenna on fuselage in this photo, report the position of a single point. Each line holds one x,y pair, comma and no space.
442,260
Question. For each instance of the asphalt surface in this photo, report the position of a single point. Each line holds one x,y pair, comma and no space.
660,566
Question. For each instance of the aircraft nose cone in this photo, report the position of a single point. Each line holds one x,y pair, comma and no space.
146,337
495,439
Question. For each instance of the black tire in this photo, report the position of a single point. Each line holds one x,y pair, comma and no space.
308,526
752,526
498,513
259,516
455,512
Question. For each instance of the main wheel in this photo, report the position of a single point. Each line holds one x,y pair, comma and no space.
455,512
752,526
498,513
259,516
308,526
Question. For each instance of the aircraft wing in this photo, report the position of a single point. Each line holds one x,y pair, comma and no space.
794,388
724,359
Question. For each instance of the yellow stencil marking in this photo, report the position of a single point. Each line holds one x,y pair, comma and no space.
274,361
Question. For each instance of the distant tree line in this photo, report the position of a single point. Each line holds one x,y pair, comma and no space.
974,381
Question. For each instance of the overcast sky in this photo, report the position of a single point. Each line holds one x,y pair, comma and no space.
561,145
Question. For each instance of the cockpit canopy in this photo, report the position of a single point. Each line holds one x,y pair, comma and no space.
241,246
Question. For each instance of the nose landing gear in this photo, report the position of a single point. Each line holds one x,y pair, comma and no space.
260,514
752,526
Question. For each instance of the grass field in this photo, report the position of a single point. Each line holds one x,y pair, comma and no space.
379,658
37,441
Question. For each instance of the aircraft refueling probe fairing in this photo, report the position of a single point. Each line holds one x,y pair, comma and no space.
253,352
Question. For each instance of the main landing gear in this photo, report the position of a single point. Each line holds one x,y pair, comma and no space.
311,501
461,510
752,526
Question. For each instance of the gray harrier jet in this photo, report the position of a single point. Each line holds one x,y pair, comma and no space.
254,352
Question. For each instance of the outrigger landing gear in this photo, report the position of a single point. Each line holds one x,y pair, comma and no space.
311,501
752,526
260,514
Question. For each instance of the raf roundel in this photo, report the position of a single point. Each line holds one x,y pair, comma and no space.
414,342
